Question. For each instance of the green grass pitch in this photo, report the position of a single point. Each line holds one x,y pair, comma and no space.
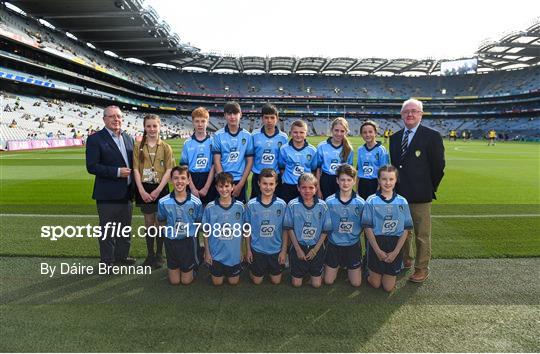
483,293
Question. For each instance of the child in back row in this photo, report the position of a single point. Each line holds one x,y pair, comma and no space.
197,155
386,220
331,153
295,158
233,150
223,228
371,156
267,141
308,222
267,249
344,247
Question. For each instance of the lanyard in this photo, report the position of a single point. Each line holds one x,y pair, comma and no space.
150,156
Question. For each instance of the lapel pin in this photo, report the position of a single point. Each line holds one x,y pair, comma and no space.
418,153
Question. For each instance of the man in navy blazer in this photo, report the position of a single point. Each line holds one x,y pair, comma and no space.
109,156
418,153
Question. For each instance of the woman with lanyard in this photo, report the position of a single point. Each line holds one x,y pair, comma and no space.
152,165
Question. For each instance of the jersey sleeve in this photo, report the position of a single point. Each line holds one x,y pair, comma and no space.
327,220
184,156
162,212
249,149
288,220
282,159
350,158
385,160
198,212
314,162
407,224
216,146
320,157
367,216
358,159
206,216
247,217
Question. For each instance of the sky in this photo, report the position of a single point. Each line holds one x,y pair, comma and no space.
415,29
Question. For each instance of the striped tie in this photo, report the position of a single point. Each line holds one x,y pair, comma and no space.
404,143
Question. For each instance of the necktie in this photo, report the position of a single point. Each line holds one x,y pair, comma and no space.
404,143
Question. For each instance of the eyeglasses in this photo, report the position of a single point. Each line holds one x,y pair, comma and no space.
413,111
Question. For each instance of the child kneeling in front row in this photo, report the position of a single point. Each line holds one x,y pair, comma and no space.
386,220
180,210
224,229
308,221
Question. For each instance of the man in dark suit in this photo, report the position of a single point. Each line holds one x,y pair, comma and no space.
109,156
418,153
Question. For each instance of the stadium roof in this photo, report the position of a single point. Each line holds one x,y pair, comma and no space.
130,30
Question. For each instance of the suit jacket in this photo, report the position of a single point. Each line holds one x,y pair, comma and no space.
103,158
422,167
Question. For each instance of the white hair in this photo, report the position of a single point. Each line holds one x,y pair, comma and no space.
415,101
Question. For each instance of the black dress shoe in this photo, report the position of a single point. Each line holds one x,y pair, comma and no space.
126,261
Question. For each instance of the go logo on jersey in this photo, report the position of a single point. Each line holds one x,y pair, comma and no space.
268,158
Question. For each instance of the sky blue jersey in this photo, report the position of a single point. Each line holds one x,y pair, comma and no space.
224,249
307,223
296,161
371,160
266,149
266,224
329,159
197,154
346,219
180,217
233,150
387,217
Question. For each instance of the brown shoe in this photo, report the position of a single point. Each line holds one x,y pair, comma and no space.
408,263
419,276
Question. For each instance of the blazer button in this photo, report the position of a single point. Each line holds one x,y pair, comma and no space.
400,166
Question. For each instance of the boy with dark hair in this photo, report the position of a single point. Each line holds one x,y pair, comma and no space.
233,150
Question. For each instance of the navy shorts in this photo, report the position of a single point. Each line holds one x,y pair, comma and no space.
218,269
344,256
328,184
181,253
288,192
264,264
299,268
386,244
199,180
367,187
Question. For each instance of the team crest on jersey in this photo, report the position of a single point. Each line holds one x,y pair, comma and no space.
401,208
377,156
244,141
279,212
190,211
357,211
320,214
417,153
237,216
308,157
279,144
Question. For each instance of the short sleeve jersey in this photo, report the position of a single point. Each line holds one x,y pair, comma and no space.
308,223
197,154
387,217
266,224
179,217
266,149
329,157
233,149
346,219
371,160
295,161
224,249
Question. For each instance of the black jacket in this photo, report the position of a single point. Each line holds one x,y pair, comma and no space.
422,168
103,158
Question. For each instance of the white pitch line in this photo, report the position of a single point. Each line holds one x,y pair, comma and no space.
449,216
